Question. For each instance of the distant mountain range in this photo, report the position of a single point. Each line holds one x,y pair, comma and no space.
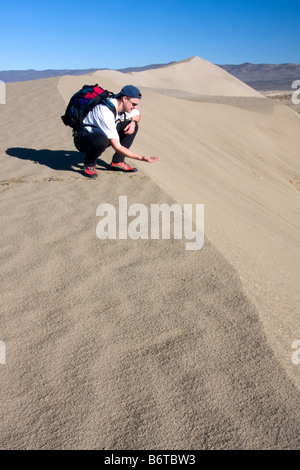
258,76
265,76
25,75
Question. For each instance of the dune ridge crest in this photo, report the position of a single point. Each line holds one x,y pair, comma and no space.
193,75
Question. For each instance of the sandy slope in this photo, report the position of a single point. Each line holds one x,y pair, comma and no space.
193,75
141,344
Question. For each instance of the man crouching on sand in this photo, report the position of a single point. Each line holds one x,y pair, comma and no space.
103,129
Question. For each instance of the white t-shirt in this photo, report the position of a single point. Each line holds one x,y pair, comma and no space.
105,121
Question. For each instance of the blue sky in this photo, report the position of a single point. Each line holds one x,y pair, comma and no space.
78,34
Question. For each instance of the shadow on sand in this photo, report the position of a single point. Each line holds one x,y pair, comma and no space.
63,160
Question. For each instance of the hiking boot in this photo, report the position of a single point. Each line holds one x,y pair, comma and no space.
90,171
122,166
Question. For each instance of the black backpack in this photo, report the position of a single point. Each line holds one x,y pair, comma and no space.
83,102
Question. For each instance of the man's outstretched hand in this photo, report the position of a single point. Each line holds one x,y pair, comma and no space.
150,159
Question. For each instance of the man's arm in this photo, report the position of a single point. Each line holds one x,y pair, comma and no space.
128,153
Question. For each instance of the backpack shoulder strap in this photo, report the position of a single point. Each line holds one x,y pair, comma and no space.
110,106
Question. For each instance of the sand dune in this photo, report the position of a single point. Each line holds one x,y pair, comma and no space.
193,75
123,344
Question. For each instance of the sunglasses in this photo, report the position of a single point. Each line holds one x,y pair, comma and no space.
133,104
